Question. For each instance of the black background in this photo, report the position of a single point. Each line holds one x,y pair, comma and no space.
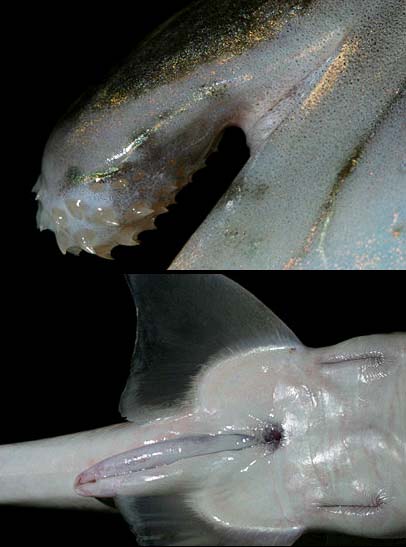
69,341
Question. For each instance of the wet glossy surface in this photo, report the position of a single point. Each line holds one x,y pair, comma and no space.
372,370
316,86
340,465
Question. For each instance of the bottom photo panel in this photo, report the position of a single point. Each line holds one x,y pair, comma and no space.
204,409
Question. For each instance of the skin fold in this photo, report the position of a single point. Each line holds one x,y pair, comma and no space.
318,88
256,443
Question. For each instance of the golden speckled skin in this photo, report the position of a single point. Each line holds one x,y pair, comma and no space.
310,82
203,32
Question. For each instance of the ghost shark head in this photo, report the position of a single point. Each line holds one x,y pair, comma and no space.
237,433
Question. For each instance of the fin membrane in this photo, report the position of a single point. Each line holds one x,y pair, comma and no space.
165,520
184,320
170,520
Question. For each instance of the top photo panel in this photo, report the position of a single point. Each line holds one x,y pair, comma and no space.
225,135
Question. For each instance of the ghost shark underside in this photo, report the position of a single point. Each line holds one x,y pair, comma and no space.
237,433
318,88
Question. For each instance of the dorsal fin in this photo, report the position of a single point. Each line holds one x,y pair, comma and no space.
183,321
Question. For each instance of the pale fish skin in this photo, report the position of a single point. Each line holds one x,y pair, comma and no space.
318,88
237,433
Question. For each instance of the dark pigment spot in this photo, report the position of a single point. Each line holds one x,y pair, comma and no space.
272,435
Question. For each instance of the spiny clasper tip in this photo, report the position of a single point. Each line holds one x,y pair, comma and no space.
96,228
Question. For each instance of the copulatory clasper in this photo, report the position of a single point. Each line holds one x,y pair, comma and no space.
237,434
318,88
